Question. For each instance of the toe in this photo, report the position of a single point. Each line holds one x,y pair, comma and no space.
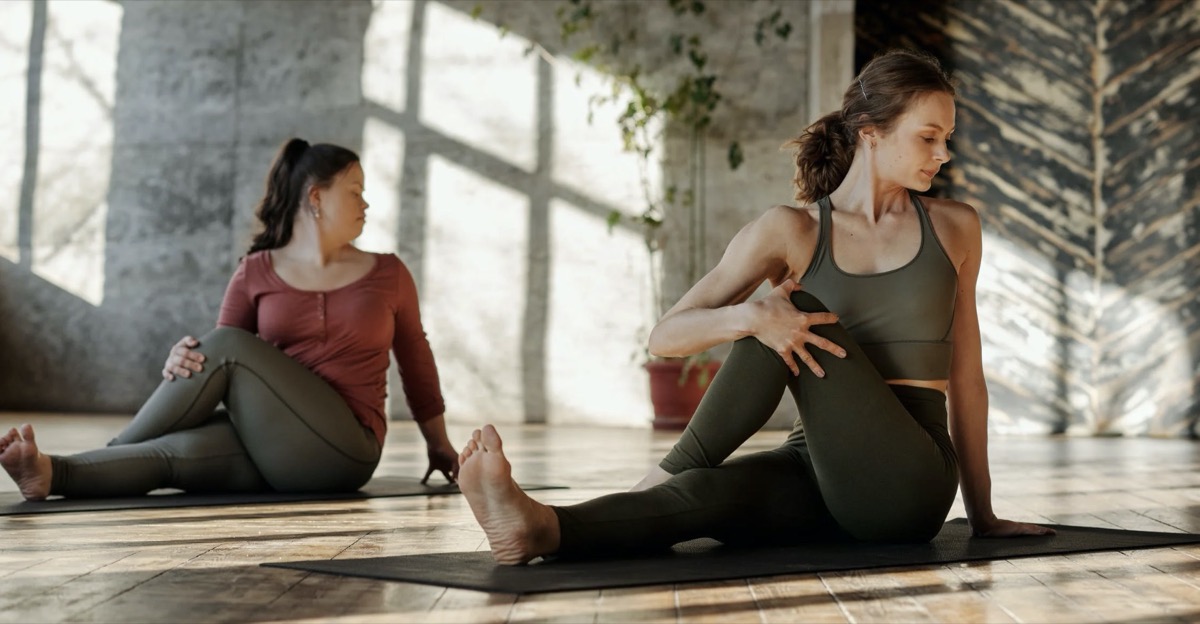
27,432
491,439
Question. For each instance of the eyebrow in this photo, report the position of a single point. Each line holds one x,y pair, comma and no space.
939,127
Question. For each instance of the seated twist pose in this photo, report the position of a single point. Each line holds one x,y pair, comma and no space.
287,393
871,325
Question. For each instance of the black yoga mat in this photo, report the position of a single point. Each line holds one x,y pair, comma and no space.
11,503
707,560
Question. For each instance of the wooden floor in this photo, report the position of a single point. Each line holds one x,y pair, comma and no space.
185,565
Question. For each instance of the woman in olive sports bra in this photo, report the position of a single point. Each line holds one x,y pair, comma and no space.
871,325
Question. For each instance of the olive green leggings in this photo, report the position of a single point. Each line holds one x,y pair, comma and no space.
282,428
866,461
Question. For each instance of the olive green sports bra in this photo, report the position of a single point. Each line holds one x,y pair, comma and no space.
901,318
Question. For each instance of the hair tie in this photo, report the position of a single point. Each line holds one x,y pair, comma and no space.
295,150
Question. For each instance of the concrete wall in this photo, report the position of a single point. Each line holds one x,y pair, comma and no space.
126,194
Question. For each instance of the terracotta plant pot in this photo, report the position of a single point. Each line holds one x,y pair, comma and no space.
674,397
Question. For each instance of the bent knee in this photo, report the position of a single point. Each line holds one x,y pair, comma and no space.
222,338
807,302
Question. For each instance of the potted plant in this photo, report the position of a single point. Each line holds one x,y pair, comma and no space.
676,384
678,100
682,106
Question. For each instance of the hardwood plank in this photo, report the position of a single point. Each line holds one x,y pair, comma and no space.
723,601
637,604
876,596
201,564
462,605
796,599
1021,596
566,607
947,598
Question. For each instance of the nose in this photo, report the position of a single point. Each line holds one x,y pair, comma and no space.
942,154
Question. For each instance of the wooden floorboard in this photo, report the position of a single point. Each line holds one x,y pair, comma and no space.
202,564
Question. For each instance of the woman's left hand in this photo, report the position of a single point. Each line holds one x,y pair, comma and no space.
442,458
997,527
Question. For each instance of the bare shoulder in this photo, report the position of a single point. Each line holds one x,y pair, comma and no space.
789,221
957,226
955,217
808,214
795,229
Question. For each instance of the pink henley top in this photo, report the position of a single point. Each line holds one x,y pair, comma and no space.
343,335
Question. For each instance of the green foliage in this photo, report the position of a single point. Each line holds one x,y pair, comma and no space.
771,23
735,156
693,98
688,102
703,376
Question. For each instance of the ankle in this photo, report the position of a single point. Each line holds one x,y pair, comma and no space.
547,535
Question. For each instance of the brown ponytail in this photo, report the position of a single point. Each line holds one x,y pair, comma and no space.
823,155
298,166
878,96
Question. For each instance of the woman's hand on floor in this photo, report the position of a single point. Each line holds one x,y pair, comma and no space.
997,527
183,361
444,459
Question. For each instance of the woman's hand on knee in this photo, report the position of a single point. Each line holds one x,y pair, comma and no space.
183,360
786,330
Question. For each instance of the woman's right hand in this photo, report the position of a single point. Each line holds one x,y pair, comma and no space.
785,329
183,361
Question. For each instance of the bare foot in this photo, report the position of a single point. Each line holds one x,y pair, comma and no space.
656,476
518,528
25,464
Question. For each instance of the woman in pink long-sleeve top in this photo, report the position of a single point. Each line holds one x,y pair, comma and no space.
288,392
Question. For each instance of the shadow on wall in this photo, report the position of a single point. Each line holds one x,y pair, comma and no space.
121,240
502,193
188,102
1088,294
56,167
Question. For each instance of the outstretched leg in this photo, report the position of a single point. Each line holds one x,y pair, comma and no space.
518,528
208,458
27,466
766,496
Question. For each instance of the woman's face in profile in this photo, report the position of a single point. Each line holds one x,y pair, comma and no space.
918,145
343,209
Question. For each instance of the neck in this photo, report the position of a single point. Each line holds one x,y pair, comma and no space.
309,246
864,192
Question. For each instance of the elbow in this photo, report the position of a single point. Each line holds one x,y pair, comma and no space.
658,344
654,344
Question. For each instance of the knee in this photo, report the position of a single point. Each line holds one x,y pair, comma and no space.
222,339
807,302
